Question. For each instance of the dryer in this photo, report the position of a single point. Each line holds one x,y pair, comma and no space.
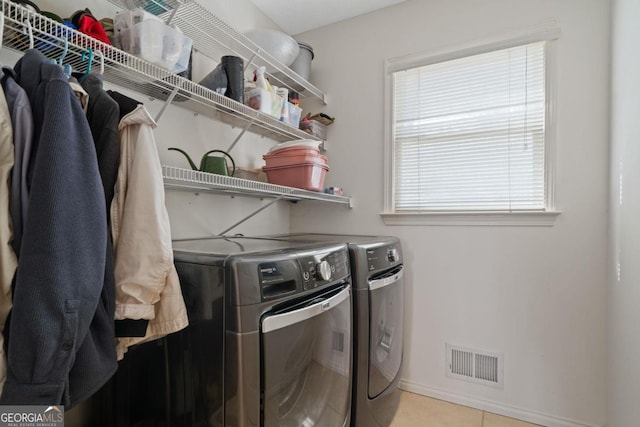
377,272
268,343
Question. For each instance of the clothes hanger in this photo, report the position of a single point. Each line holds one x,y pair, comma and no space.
64,52
89,59
100,55
66,68
27,24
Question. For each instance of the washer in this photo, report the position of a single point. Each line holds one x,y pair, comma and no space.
268,343
287,330
377,272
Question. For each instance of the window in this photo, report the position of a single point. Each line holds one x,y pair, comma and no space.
468,134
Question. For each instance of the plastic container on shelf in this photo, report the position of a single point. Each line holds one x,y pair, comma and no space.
302,64
250,174
280,45
283,92
276,102
259,97
295,113
296,143
318,129
291,158
307,175
157,43
294,151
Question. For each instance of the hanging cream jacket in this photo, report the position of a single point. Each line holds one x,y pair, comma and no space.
8,260
147,285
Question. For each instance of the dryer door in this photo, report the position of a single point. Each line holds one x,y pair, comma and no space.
306,362
386,311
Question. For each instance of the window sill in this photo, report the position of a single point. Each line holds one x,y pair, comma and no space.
476,218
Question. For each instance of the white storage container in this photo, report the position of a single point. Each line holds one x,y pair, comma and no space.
157,43
295,113
258,99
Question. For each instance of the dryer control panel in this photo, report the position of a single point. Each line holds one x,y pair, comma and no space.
320,269
383,257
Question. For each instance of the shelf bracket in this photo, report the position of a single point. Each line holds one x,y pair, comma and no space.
172,15
251,215
250,61
172,95
246,128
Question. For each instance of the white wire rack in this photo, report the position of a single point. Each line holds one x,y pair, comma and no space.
214,38
131,72
190,180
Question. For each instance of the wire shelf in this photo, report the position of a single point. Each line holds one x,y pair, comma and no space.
187,179
214,38
134,73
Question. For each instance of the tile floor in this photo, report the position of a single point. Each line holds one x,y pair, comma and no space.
420,411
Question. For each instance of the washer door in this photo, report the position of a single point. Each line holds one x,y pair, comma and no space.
386,311
306,362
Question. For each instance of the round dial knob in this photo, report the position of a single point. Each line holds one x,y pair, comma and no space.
392,255
323,270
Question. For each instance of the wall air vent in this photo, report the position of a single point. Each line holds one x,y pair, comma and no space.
475,365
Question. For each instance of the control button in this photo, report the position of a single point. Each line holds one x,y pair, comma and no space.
323,270
306,276
392,255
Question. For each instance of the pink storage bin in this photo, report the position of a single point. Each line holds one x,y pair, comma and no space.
307,175
286,159
294,150
296,143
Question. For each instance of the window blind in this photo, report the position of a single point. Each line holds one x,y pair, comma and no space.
469,133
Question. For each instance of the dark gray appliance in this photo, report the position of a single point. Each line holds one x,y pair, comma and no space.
286,330
377,271
268,343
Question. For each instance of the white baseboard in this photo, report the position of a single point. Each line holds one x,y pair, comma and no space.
494,407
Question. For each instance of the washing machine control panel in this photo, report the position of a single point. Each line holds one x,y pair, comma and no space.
383,257
320,269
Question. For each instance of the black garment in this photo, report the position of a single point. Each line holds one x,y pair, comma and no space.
103,114
126,104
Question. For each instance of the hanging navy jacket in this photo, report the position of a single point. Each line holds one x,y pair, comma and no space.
60,340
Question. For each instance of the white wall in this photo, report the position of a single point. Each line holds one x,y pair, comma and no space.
536,294
624,290
199,215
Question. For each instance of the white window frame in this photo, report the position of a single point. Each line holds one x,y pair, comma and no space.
547,32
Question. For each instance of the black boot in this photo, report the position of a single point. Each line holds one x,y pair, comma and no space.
216,80
234,69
